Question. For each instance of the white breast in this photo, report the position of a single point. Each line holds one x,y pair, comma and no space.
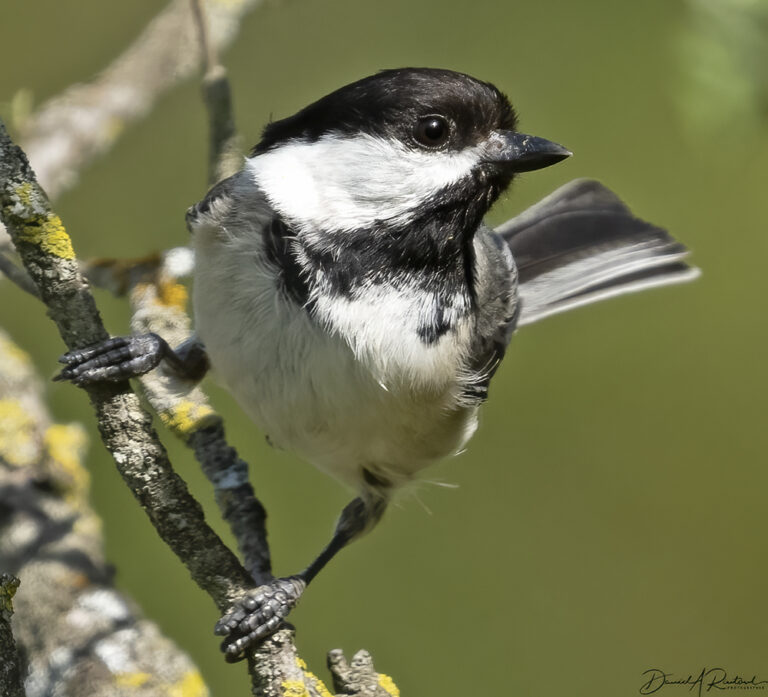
353,388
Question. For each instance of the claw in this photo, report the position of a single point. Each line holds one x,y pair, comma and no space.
257,615
113,360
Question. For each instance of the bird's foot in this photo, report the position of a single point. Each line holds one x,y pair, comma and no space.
258,614
113,360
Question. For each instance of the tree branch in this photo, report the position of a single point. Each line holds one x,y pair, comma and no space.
81,638
47,254
158,302
10,663
73,128
70,130
16,275
224,146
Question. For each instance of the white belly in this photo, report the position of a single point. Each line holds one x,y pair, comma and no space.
368,393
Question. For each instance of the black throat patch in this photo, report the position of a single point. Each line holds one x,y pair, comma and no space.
281,247
431,256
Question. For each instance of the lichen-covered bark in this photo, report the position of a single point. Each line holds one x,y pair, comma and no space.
358,678
80,637
158,302
11,684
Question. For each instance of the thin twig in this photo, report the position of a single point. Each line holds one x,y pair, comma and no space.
158,302
224,147
208,52
224,156
70,130
73,128
17,275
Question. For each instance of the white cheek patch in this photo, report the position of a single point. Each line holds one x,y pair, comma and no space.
346,182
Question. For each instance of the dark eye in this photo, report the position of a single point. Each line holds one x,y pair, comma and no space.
432,131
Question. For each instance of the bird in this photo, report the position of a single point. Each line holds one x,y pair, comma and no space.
350,296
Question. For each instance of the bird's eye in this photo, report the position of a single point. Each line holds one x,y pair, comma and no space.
432,131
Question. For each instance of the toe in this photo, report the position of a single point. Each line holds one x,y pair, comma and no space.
258,614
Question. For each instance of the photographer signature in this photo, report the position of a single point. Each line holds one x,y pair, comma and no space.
707,680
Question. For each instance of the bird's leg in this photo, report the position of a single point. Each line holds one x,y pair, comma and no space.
123,357
260,612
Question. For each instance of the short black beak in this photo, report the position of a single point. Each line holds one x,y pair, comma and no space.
518,152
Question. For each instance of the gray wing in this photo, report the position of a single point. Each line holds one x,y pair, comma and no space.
581,244
234,200
237,206
497,311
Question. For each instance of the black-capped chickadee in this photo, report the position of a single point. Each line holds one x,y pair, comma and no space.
349,295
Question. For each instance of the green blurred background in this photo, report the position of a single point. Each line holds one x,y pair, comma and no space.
610,512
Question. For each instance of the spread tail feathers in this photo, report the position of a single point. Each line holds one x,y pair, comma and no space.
581,244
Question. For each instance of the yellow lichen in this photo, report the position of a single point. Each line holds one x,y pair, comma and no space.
46,231
191,685
318,684
87,524
294,688
24,193
139,289
7,591
17,434
172,294
387,684
132,679
186,417
65,444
